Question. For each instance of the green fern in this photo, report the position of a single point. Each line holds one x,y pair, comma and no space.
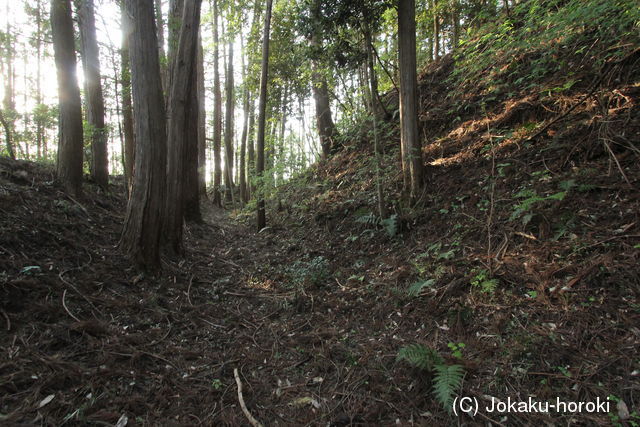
446,382
368,219
447,378
391,225
415,289
420,356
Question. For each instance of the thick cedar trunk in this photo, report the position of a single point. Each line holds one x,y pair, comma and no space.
143,222
127,109
410,139
69,164
93,94
202,124
228,127
174,23
182,132
262,114
217,111
191,187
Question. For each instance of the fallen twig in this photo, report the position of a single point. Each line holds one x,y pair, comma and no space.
246,412
64,305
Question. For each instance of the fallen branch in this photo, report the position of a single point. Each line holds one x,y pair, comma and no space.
64,305
246,412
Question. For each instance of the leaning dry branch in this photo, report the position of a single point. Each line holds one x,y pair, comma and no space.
252,421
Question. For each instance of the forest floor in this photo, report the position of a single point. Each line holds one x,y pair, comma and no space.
520,263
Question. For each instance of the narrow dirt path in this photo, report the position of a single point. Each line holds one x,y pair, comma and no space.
312,351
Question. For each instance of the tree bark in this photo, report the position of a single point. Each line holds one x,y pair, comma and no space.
228,128
93,94
202,124
38,115
410,139
145,211
127,109
217,111
182,140
70,142
161,53
262,115
8,103
373,82
251,158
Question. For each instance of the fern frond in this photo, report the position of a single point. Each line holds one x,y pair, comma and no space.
415,289
369,219
446,383
420,356
391,225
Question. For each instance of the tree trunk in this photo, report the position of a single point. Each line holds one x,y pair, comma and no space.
162,55
38,115
245,124
182,125
217,111
410,139
262,114
455,23
202,124
436,29
8,103
127,109
191,187
326,128
382,208
251,159
228,127
69,164
145,211
93,94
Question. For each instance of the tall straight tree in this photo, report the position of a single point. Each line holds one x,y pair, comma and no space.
41,143
228,126
93,93
69,162
191,168
202,123
262,115
127,108
145,211
217,110
410,139
242,177
8,113
182,140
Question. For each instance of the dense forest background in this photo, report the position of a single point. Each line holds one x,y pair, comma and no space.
318,212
